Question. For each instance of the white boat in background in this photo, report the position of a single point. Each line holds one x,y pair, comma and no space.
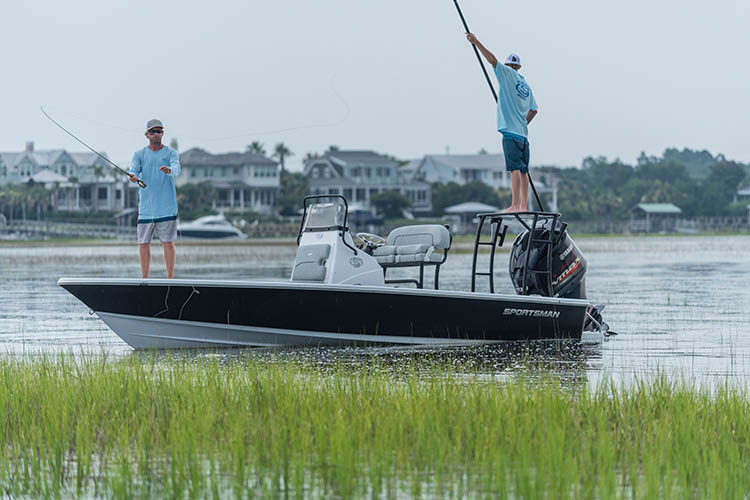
212,227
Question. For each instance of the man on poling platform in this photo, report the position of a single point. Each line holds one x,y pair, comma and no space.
516,107
156,165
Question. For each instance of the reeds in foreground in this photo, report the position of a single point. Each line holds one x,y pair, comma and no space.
196,428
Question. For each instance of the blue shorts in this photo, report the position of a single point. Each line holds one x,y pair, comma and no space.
516,149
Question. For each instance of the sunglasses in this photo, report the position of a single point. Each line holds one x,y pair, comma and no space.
154,132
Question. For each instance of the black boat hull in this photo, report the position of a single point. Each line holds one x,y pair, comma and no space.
156,314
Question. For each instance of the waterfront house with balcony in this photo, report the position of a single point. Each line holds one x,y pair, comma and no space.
79,180
243,181
360,175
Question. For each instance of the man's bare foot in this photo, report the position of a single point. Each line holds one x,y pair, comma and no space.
511,209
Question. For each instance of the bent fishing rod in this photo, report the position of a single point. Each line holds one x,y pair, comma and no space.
97,153
494,94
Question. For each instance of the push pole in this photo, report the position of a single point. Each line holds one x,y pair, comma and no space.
494,94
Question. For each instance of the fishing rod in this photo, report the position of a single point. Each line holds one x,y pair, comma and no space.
494,94
97,153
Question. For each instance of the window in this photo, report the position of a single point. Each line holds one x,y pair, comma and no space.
192,172
360,194
223,171
368,172
348,193
235,170
315,173
379,172
387,172
102,193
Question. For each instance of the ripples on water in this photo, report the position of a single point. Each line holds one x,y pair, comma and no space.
680,305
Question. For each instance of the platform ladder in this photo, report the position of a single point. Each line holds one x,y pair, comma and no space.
531,221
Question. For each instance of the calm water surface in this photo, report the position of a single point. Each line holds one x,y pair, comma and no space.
681,305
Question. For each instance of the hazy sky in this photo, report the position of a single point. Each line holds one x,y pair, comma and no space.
610,78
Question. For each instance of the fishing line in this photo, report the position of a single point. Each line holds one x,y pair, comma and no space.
332,124
166,298
97,153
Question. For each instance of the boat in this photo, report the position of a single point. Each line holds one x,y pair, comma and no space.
209,227
340,293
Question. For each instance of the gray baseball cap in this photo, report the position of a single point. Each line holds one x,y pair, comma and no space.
154,123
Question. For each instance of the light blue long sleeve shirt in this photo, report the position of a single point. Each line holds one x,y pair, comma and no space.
158,201
514,100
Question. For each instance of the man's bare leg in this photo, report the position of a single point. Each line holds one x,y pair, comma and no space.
169,257
523,192
144,253
515,187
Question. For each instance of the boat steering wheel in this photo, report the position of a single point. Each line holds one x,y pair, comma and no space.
371,241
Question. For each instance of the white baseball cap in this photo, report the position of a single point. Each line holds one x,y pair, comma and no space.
513,59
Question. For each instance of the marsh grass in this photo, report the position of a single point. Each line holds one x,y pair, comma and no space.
197,428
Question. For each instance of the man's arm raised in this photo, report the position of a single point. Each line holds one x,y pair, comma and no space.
486,53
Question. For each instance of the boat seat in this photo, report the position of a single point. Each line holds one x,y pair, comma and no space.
415,246
310,263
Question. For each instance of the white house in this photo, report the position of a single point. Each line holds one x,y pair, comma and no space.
80,180
243,181
461,169
360,175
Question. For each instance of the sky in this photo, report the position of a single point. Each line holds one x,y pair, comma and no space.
396,76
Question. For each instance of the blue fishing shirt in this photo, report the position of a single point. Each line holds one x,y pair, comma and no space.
514,100
158,201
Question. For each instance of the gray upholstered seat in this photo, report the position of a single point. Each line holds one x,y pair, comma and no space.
310,263
419,245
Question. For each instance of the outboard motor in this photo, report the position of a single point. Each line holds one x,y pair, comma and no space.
568,266
552,266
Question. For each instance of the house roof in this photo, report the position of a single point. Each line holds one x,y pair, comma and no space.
471,207
659,208
201,157
12,159
361,157
47,176
85,159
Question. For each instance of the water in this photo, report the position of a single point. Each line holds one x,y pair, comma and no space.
679,304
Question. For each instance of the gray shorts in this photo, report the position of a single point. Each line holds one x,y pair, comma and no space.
166,231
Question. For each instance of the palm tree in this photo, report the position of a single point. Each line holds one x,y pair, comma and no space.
73,185
280,151
98,172
311,156
55,194
256,147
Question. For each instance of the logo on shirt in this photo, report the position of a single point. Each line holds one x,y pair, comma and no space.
523,90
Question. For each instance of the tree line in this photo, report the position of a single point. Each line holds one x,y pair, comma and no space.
699,183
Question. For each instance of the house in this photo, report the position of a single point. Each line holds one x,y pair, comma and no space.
360,175
462,169
654,217
243,181
80,181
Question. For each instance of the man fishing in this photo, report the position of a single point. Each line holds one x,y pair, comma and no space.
516,107
156,165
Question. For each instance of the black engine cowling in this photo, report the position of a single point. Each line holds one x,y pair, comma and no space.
566,278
